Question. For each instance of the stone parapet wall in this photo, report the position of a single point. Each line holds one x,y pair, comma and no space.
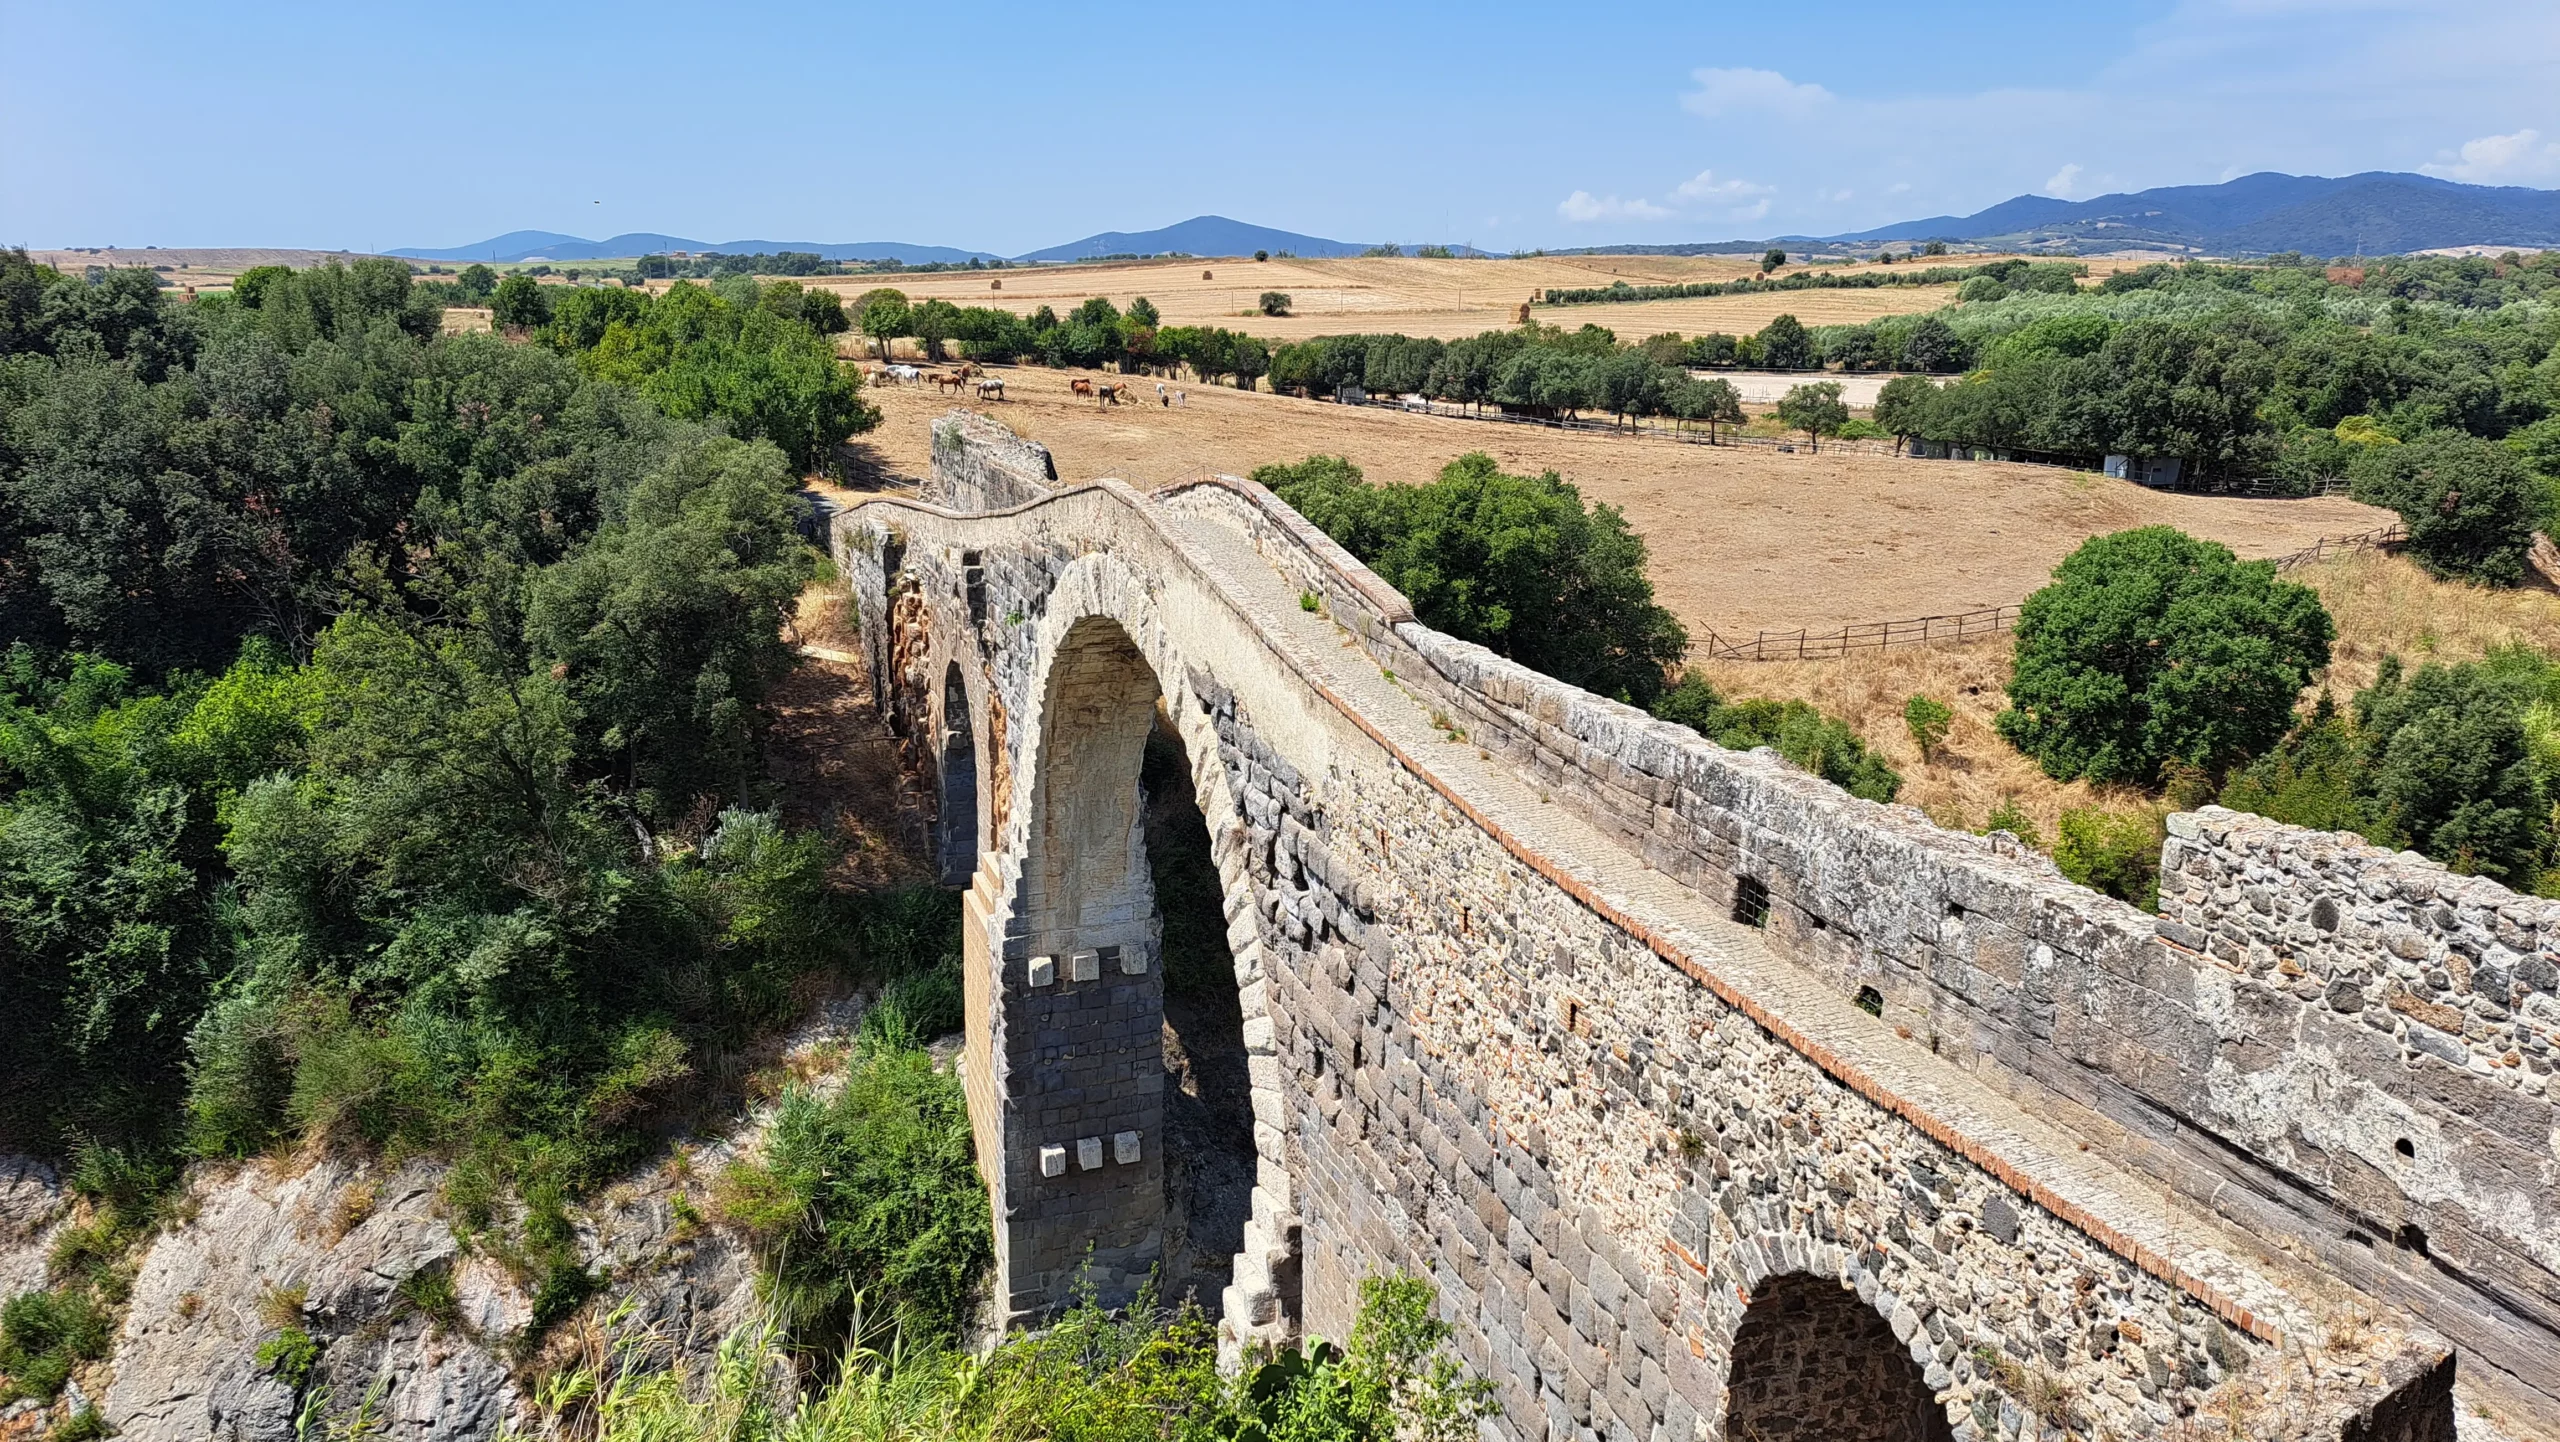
2457,968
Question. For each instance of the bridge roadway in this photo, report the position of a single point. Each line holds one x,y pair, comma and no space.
1646,1155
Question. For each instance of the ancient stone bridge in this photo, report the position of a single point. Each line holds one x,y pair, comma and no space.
1716,1102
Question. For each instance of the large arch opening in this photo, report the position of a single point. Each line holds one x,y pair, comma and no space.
955,823
1812,1363
1120,1092
1208,1093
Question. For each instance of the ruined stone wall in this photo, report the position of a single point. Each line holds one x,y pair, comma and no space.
979,465
1463,1069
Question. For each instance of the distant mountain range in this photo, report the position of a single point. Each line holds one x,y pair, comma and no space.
2377,213
518,245
1212,235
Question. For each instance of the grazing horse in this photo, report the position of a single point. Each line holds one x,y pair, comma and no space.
954,382
1109,395
1080,387
991,390
905,374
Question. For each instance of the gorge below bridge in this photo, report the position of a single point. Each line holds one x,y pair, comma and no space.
1715,1102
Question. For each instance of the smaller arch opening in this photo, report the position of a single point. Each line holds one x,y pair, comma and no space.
2407,1151
1812,1363
955,819
1871,1001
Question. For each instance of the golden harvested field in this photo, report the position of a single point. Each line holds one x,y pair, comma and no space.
1742,538
1443,298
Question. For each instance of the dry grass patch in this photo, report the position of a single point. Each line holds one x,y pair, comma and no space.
2387,605
1967,776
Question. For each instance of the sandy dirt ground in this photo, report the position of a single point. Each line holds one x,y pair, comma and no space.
1443,298
1743,539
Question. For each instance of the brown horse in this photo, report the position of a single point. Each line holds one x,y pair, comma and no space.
1109,395
1080,387
954,383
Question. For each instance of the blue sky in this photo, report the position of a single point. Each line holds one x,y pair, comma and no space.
1006,127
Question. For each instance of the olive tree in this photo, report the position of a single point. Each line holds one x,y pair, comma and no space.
1814,408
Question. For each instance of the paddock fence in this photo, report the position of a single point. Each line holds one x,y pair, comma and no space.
1959,627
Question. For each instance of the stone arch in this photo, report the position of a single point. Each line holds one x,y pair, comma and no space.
1813,1363
1067,983
956,826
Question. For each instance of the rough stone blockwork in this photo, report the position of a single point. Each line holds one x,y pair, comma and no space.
1623,1174
978,465
2359,1064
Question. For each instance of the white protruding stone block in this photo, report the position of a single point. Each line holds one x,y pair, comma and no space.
1085,966
1053,1161
1089,1152
1124,1147
1133,961
1044,970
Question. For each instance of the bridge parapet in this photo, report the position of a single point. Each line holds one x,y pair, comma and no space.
1522,1046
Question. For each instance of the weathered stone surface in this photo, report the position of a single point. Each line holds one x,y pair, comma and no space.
1437,987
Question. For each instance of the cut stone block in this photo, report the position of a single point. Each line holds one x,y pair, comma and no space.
1124,1147
1085,966
1053,1161
1044,970
1088,1152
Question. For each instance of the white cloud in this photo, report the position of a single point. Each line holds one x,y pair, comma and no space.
2059,184
1721,91
2495,158
1730,199
1583,206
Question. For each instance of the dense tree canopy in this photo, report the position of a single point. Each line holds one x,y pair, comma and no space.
379,717
2152,647
1518,564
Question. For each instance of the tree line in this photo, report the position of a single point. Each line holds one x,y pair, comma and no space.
1093,335
2049,275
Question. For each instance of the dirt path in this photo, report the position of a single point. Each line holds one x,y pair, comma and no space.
1742,539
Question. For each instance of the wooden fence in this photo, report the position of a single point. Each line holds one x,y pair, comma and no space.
1962,626
1805,645
2331,548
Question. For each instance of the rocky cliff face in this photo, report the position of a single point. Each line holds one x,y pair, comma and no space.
423,1337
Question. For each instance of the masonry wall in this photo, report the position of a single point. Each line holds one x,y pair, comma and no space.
2214,1073
979,465
1465,1071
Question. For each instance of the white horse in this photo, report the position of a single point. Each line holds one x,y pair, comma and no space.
991,390
905,375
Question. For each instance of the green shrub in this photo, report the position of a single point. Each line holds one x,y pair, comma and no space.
868,1203
2009,816
1142,1372
84,1425
1928,722
2113,852
2151,646
290,1354
44,1335
1273,303
917,1008
1820,744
